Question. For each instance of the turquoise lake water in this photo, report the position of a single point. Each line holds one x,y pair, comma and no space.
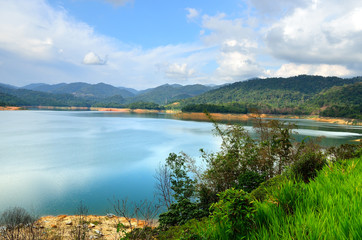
52,160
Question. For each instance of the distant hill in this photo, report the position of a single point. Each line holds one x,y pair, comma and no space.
131,90
34,86
300,95
340,101
7,86
276,92
25,97
80,89
167,93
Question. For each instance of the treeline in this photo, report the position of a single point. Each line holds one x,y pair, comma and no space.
221,108
24,97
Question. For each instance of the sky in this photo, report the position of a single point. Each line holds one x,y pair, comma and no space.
144,43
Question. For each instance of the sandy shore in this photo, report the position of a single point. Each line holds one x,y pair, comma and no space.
177,114
96,227
8,108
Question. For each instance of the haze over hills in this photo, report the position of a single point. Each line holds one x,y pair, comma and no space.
100,94
80,89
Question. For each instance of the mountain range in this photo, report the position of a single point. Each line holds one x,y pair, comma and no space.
100,94
304,94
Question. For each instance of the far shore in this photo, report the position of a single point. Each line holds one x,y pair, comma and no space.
177,114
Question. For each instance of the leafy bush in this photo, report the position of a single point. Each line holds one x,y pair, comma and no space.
249,180
232,214
181,212
345,151
308,165
267,187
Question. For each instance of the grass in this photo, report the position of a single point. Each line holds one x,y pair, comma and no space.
329,207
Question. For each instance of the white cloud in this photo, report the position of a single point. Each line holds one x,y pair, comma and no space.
324,32
44,43
179,71
237,61
312,37
222,29
34,30
93,59
238,47
192,14
292,69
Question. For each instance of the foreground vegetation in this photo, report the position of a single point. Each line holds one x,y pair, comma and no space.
269,187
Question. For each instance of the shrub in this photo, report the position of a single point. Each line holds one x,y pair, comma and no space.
249,180
267,187
17,224
345,151
181,212
232,214
15,217
308,165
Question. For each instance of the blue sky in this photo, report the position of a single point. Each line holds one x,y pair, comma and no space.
143,43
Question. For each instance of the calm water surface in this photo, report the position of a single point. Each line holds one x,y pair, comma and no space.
51,160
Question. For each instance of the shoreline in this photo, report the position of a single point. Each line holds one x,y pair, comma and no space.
96,226
177,114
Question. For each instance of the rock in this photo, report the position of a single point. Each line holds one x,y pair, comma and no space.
54,226
91,225
69,223
98,232
110,215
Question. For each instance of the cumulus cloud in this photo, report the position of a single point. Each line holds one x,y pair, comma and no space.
44,42
238,46
220,29
324,32
301,37
93,59
292,69
237,61
179,71
192,14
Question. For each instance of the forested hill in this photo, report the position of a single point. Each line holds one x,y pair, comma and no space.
340,101
25,97
294,95
80,89
300,95
168,93
275,91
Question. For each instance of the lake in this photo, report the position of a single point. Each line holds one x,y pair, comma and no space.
52,160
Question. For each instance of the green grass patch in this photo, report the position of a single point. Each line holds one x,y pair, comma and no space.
329,207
